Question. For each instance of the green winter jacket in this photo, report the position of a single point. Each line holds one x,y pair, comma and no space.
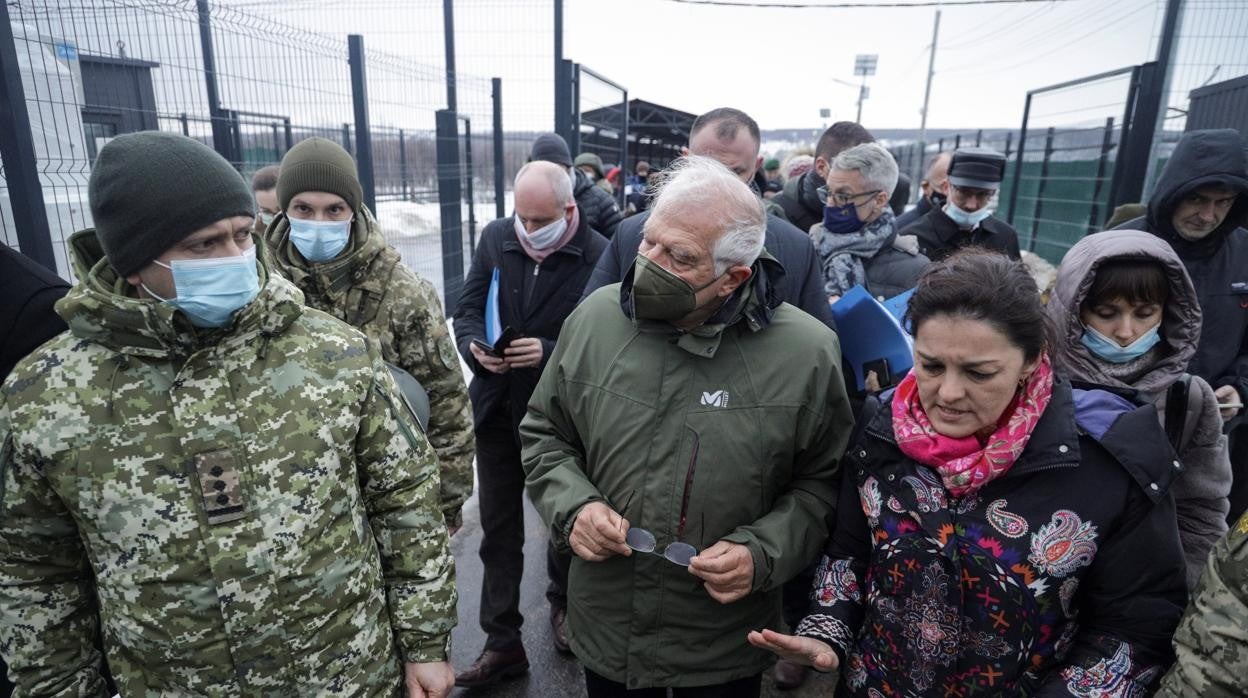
370,289
737,427
250,511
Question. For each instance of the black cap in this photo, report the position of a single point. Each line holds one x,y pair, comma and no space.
552,148
977,168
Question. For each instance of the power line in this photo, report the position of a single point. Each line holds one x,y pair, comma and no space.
856,5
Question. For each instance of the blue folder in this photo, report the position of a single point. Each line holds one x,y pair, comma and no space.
493,323
869,331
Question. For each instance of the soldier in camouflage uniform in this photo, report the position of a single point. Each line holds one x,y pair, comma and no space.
1212,640
337,255
225,479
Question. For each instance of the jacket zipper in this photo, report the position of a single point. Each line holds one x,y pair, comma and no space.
684,497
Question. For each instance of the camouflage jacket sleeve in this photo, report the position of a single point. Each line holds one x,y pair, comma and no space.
427,351
1210,644
48,626
399,480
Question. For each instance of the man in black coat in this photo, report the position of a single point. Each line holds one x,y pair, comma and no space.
595,204
732,138
933,186
800,198
975,175
1198,206
543,256
26,321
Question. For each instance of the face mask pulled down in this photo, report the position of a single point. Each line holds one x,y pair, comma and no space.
966,219
210,291
1108,350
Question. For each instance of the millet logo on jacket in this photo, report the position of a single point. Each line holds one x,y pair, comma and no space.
719,398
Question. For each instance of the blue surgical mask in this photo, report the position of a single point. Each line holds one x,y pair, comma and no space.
841,220
319,241
1108,350
966,219
210,291
266,218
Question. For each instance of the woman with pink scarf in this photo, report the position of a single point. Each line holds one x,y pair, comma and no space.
998,533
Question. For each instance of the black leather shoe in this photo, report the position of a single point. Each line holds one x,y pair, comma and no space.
494,666
559,629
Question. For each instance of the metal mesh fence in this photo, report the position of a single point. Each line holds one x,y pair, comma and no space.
1210,48
251,86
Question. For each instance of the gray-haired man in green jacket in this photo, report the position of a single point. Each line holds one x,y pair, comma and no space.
686,413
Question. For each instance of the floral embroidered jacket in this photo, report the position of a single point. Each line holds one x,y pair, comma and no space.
1063,577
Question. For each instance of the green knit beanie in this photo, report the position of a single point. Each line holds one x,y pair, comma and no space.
149,190
317,164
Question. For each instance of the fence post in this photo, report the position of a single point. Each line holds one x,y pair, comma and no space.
574,133
277,141
957,141
346,138
222,139
1018,163
979,137
619,193
562,83
500,204
1044,179
469,175
17,149
403,164
186,124
940,145
1107,144
1009,141
289,134
1136,144
448,42
363,137
450,198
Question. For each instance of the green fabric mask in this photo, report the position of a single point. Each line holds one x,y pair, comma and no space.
658,294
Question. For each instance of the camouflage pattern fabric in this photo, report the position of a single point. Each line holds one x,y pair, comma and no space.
248,511
368,288
1212,640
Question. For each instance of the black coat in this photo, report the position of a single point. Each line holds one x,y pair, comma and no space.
596,205
801,285
980,595
800,200
26,315
913,215
1218,264
555,291
939,236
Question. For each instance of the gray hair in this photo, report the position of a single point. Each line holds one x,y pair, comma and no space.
873,162
696,186
554,175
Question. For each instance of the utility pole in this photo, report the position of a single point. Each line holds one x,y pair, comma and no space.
927,91
864,65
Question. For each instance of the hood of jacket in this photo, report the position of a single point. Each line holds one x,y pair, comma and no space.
1201,157
1181,319
101,309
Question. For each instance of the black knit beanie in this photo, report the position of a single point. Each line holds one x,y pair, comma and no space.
552,148
149,190
317,164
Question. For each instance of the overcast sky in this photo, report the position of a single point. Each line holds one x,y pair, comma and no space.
780,65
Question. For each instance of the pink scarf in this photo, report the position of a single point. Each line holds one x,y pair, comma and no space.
540,256
964,464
